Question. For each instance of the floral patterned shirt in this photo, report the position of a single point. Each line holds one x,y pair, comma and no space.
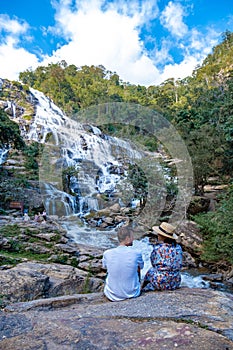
166,260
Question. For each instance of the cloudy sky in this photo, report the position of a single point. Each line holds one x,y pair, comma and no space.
144,41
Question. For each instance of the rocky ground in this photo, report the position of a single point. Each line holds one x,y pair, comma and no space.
188,319
38,260
42,271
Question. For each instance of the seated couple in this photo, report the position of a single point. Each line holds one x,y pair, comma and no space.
124,263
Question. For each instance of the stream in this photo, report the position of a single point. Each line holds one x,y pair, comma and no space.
191,278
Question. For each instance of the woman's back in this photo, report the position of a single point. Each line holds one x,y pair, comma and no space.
166,256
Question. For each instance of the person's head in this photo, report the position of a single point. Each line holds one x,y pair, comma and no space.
125,235
165,233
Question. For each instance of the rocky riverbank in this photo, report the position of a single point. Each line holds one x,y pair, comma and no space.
39,260
42,270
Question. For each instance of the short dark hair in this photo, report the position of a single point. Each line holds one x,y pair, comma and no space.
123,232
170,241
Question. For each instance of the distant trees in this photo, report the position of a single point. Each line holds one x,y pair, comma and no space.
199,106
75,88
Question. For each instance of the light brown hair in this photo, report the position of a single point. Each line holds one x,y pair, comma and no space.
123,232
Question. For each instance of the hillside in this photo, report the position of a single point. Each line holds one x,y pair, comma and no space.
199,107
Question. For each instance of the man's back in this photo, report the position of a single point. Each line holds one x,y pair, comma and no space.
122,280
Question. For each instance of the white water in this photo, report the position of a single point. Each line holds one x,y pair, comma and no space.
3,155
93,156
108,239
99,161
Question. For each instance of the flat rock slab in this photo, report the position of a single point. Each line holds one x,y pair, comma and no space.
182,319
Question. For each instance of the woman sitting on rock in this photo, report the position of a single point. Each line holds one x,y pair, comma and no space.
166,261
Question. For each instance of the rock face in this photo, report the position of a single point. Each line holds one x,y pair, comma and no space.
185,319
29,281
38,261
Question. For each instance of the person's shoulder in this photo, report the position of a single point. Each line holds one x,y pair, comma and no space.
178,247
109,251
134,251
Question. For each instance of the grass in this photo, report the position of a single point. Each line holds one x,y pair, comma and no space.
24,255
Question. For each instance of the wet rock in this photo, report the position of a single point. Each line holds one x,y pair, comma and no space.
94,266
68,248
214,277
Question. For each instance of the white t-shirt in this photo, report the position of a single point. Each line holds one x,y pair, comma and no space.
122,280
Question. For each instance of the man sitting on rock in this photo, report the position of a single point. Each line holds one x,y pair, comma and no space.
123,266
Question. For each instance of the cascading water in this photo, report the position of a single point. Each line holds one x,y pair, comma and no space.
99,165
95,161
3,155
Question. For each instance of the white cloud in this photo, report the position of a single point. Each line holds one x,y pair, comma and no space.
13,59
195,49
108,37
181,70
172,19
203,44
105,33
12,26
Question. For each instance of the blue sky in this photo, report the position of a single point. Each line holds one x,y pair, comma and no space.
144,41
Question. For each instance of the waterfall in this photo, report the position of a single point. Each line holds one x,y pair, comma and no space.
97,163
3,155
91,164
58,202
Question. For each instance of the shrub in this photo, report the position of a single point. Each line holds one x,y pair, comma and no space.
217,230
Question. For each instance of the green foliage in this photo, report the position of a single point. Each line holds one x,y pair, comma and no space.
32,153
7,260
138,179
61,259
15,246
133,133
217,230
25,254
9,133
74,262
67,174
10,230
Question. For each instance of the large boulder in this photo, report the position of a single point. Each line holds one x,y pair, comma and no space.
190,237
184,319
198,204
28,281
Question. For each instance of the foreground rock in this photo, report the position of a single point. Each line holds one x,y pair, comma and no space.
28,281
183,319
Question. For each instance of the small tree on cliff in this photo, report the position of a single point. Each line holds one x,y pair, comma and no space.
9,133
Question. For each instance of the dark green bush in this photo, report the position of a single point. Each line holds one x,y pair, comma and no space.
217,230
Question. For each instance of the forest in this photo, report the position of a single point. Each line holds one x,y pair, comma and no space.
200,107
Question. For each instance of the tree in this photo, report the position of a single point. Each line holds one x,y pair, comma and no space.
217,230
9,133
